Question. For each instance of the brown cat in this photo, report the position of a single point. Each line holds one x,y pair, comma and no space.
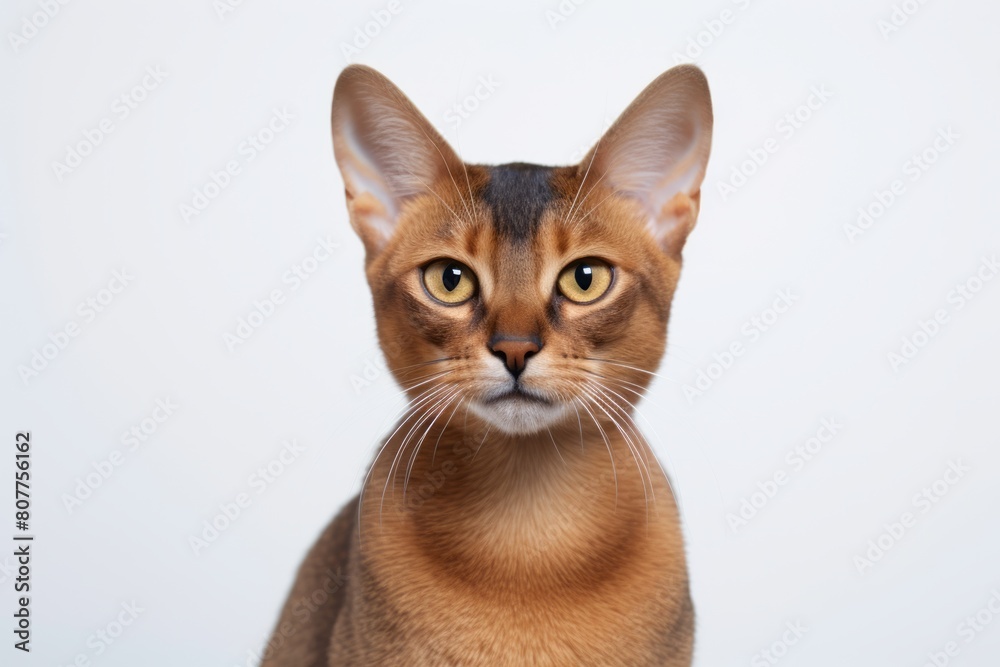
515,516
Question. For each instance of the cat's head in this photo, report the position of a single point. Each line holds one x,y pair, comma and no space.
526,293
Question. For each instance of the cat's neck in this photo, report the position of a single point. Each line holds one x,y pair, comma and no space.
483,501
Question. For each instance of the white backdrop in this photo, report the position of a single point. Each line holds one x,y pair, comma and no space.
166,167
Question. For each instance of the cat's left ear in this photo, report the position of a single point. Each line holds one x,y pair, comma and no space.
656,153
387,151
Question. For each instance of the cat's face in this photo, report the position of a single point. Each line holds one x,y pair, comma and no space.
529,294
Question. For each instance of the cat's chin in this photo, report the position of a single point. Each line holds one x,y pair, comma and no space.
517,415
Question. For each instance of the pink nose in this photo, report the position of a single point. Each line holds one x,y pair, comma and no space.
514,351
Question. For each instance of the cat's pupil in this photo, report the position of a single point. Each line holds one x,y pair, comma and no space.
584,276
452,277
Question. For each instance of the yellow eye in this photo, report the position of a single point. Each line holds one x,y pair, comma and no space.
449,281
585,280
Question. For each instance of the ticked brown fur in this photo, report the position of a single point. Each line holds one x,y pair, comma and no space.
479,539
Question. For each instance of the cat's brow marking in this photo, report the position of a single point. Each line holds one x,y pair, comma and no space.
517,195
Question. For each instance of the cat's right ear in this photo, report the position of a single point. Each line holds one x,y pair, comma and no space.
387,151
657,151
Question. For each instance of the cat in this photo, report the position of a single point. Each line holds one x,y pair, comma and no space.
515,515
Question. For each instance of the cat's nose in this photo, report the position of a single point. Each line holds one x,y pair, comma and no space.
514,351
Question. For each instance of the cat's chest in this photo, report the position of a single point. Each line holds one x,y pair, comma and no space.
565,631
418,611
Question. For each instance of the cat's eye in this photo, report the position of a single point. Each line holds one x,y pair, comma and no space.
449,281
585,280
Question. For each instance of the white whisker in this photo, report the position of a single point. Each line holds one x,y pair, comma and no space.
390,475
640,466
606,444
406,412
439,409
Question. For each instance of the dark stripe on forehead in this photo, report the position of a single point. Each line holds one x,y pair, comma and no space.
517,195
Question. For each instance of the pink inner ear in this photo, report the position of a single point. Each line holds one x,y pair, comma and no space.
658,148
385,148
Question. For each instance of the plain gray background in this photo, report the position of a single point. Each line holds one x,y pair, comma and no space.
557,73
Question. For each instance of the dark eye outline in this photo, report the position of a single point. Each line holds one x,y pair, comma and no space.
466,272
583,260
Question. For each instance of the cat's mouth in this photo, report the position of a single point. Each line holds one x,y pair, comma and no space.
518,410
517,393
